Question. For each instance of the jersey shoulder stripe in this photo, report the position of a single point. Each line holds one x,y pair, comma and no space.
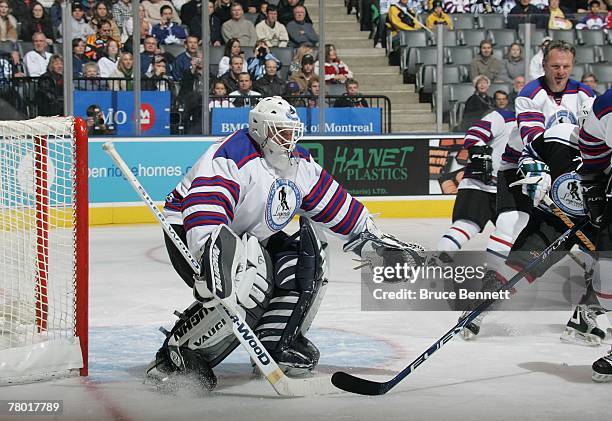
508,116
603,104
239,147
302,153
531,89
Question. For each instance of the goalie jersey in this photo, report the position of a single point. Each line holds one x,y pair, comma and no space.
493,130
596,135
232,184
538,109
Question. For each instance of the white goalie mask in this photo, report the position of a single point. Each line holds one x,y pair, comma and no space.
584,110
276,127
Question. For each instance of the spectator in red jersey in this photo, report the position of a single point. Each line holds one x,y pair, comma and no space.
336,71
39,21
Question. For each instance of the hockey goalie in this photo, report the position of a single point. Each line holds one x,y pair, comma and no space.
230,210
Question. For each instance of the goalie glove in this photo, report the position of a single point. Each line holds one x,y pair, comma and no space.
536,183
480,164
373,245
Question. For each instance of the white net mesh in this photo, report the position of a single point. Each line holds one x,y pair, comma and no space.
37,231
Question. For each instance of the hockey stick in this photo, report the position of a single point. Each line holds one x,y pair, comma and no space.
259,355
362,386
568,222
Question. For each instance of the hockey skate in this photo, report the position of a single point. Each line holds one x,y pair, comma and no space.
299,359
472,328
581,328
192,369
602,368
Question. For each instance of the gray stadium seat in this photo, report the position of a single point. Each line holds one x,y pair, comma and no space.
502,36
6,46
506,87
603,71
472,36
606,53
591,37
563,35
450,38
459,55
537,36
215,54
578,71
460,92
174,49
463,20
491,20
417,57
586,55
413,39
284,54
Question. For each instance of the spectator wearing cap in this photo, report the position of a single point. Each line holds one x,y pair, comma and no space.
244,95
301,32
152,10
479,103
168,32
239,27
536,69
438,17
274,32
270,84
351,98
292,93
79,27
594,19
37,60
525,12
305,74
485,63
285,11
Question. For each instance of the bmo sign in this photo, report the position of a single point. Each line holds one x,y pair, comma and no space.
117,110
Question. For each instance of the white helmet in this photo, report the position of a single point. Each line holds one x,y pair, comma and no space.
276,127
584,110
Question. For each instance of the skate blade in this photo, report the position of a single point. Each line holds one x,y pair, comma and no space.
572,336
601,378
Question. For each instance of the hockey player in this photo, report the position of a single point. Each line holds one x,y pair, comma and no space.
552,98
596,150
552,159
230,210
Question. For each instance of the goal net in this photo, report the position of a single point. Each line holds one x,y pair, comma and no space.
43,248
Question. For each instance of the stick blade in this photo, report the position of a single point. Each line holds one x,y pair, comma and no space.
350,383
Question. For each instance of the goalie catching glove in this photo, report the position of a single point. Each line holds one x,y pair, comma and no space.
379,249
536,179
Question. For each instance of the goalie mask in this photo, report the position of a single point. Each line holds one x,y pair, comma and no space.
276,127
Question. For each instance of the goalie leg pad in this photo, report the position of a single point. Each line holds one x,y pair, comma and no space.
300,277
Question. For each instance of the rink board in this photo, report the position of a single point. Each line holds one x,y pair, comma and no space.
396,176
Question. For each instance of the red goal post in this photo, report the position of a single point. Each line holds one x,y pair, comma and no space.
43,249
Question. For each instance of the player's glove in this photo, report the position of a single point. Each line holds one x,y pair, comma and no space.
480,164
594,195
538,175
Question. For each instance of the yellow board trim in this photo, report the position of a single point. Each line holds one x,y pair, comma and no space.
387,209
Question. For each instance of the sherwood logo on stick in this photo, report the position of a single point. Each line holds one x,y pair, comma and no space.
244,332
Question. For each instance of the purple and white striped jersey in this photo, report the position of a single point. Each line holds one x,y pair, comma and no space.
537,108
232,184
596,135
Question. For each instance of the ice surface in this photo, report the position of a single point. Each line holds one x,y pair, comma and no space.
516,369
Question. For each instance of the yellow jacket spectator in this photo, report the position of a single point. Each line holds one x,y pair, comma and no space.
401,18
438,17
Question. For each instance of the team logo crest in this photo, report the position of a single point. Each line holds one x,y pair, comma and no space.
566,194
561,116
283,200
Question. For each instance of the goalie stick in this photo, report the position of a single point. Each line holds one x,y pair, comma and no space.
355,384
282,384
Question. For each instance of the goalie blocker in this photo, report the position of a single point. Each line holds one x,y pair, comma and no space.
277,289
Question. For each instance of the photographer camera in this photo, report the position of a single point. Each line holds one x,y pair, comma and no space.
256,65
95,122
